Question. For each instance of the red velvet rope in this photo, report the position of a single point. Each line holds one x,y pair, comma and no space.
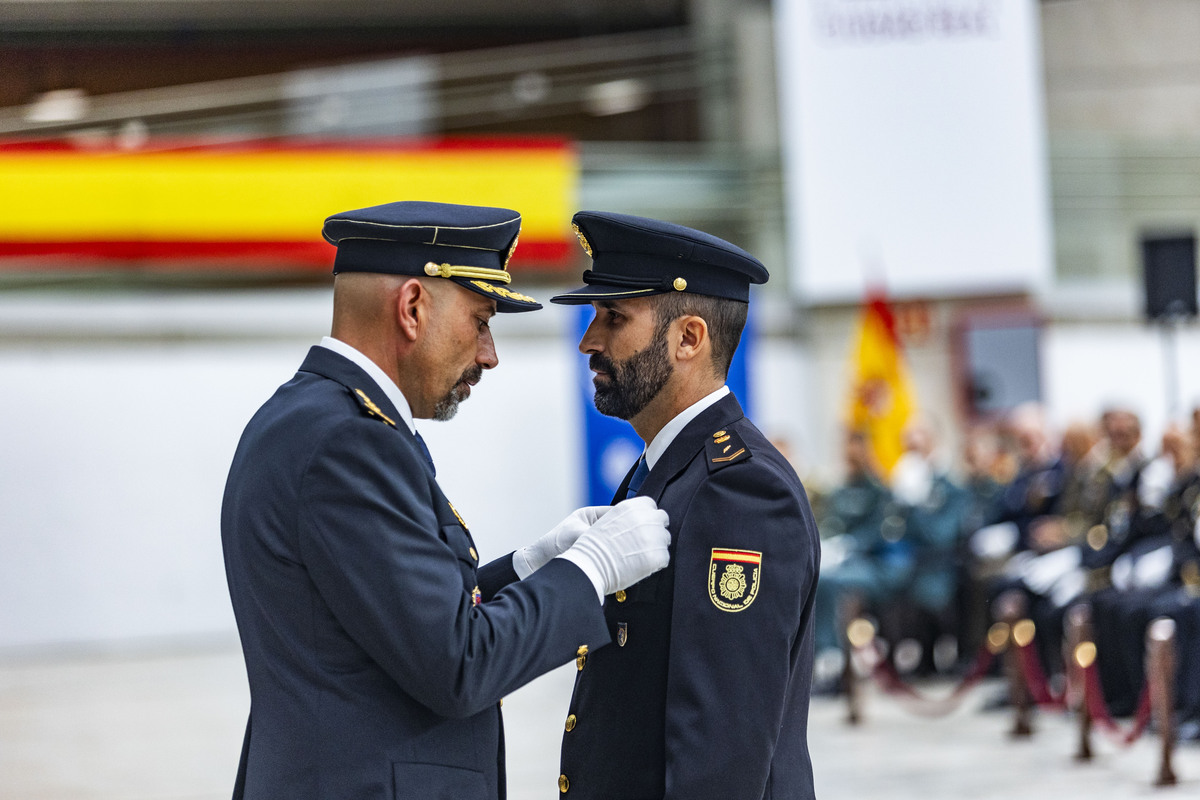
1035,678
890,681
1097,709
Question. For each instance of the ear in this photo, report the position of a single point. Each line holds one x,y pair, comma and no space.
692,338
411,308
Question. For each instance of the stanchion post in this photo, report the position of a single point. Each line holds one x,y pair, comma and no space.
1081,652
1010,609
850,612
1160,672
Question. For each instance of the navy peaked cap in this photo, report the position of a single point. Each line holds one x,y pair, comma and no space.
640,257
470,245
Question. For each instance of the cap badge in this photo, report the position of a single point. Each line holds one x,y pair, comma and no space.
587,247
733,578
512,248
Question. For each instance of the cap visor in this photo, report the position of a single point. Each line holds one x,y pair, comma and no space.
592,293
507,300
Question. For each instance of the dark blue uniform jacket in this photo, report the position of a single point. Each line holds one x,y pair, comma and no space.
704,693
374,670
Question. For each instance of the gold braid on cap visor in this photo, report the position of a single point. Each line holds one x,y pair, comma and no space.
482,273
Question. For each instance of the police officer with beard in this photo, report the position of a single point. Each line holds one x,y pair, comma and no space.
705,694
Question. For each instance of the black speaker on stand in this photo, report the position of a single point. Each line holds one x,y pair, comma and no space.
1169,281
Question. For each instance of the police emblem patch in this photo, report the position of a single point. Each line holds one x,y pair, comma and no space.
733,578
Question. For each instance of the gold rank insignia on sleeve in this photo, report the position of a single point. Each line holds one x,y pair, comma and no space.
733,578
724,448
371,408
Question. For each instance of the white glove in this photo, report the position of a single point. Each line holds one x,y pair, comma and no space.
531,558
624,546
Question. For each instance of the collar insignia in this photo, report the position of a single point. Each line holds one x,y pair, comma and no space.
372,409
724,448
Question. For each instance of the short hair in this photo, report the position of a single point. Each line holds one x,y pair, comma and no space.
726,319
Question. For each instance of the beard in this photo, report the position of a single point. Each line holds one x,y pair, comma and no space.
631,384
447,407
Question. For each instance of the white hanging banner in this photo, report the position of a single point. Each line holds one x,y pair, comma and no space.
914,147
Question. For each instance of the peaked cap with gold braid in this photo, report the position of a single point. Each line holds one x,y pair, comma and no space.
470,245
641,257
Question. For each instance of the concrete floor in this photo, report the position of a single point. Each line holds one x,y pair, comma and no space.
168,726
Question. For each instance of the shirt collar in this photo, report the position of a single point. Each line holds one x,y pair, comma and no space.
385,384
669,431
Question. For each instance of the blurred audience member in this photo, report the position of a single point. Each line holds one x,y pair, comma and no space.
851,522
932,507
1157,574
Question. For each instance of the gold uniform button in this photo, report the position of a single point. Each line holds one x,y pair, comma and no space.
571,720
474,554
621,595
563,784
581,657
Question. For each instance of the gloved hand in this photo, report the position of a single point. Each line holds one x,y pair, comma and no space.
531,558
624,546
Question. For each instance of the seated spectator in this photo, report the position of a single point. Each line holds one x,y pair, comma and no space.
854,521
1156,575
933,508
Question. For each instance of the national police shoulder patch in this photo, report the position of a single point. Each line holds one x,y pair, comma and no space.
733,578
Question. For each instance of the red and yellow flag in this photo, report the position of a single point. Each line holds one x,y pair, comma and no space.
881,398
265,202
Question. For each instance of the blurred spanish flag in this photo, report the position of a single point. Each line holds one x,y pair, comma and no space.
881,397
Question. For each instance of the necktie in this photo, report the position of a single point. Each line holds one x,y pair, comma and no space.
639,477
425,451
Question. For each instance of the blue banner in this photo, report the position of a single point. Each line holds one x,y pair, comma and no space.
612,447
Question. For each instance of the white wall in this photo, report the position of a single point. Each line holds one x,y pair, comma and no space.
1088,366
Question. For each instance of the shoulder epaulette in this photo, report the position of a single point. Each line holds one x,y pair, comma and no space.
724,448
370,407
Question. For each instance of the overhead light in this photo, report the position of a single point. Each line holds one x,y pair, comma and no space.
532,87
59,105
616,97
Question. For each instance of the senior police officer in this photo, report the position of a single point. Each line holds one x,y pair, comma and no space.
376,649
705,694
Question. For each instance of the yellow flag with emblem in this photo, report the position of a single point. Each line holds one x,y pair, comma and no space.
881,400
